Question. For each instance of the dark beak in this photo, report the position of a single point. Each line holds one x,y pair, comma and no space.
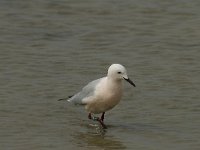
131,82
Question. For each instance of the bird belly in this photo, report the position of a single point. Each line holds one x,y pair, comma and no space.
103,104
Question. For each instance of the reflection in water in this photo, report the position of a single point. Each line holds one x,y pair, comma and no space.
96,137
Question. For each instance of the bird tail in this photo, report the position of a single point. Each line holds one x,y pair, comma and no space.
65,98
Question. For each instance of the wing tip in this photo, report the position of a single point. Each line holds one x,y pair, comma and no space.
67,98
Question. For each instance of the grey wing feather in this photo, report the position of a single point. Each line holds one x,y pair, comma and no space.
87,91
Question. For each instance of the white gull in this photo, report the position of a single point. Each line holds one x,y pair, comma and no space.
102,94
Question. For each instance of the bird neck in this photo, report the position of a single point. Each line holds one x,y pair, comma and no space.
114,82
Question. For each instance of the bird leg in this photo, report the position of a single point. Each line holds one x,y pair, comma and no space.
89,116
101,122
98,119
93,118
102,116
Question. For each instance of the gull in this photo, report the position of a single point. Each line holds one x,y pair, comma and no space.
103,94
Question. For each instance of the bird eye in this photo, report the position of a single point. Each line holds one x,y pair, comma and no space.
119,72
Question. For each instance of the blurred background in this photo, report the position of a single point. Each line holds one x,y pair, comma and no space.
50,49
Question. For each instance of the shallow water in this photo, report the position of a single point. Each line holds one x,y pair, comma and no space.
49,49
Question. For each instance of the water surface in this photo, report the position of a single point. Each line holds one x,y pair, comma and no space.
49,49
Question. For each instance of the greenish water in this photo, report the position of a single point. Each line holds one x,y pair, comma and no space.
50,49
